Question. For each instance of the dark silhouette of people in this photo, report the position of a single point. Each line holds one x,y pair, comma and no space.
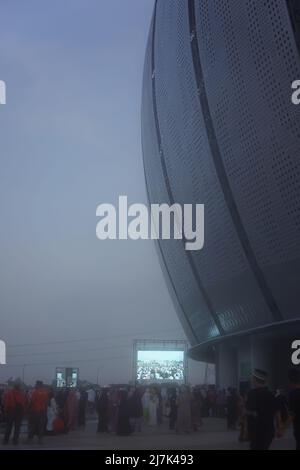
136,410
172,408
102,411
82,406
232,403
123,423
38,412
294,403
282,406
261,410
14,409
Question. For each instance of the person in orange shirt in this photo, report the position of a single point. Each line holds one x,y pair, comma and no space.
14,408
38,412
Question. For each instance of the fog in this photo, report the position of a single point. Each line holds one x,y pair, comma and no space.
70,140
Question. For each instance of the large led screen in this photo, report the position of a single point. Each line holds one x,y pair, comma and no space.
160,366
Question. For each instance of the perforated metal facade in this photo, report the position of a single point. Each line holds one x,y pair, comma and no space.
218,128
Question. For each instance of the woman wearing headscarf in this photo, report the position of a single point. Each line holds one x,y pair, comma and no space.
113,405
123,424
102,410
72,410
136,410
82,406
145,402
153,407
184,415
196,404
51,412
172,402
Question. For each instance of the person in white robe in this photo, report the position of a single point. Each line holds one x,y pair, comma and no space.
153,408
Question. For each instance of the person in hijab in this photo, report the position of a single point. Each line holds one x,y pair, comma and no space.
102,411
172,402
232,409
51,412
145,402
123,423
72,410
136,410
153,408
14,404
82,406
160,406
38,412
184,415
196,404
113,404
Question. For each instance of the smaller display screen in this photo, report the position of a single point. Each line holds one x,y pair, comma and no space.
66,377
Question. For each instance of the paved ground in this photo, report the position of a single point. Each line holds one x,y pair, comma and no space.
213,435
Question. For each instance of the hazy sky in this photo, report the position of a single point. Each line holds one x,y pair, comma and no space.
70,139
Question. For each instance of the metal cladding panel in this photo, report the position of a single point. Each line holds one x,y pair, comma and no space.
218,128
221,266
248,66
194,313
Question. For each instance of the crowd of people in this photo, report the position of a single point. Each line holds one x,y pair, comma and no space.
260,414
43,411
160,370
125,411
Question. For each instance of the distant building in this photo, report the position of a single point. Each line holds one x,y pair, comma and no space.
218,128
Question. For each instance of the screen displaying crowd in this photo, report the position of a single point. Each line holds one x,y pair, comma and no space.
160,366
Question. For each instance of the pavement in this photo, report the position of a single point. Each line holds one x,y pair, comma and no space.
212,436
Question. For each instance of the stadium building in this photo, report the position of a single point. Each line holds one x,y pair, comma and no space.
219,128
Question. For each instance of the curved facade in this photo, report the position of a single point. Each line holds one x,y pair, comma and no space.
219,128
